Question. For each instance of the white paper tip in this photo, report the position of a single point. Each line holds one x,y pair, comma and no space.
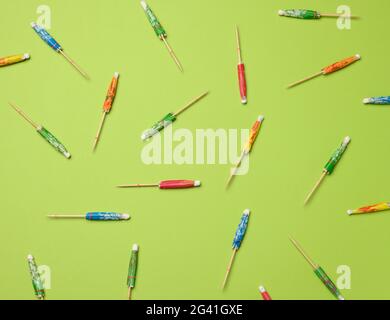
135,247
262,289
197,183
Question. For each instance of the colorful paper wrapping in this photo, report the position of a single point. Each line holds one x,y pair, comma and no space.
253,134
330,166
56,144
38,286
132,273
242,83
6,61
159,126
340,65
241,230
45,36
371,209
160,32
106,216
300,14
179,184
321,274
264,293
377,100
111,93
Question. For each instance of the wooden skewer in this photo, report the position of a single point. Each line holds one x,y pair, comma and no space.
172,53
306,79
138,186
129,293
229,268
337,15
238,45
61,216
23,115
99,130
74,64
234,170
324,174
304,254
190,104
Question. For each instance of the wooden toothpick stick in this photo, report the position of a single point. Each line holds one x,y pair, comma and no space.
306,79
338,15
172,53
229,268
97,138
24,116
62,216
190,104
234,170
74,64
138,185
129,293
238,45
324,174
304,254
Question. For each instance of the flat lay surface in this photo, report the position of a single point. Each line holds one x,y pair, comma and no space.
185,236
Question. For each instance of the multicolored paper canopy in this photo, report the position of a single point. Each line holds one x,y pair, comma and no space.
340,64
6,61
253,134
132,272
111,93
264,293
159,126
384,206
241,230
334,160
46,37
300,14
54,142
167,185
157,27
377,100
37,283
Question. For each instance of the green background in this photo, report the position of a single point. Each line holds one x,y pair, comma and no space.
185,236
